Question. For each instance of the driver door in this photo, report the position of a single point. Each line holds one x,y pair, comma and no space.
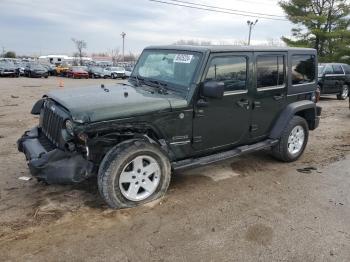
223,123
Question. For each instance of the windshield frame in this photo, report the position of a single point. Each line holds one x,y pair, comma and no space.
182,90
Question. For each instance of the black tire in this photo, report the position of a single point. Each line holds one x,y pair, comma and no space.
116,160
113,76
280,151
344,93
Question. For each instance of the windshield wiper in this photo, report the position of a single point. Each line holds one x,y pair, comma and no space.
160,85
137,80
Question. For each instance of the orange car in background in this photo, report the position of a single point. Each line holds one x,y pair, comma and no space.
62,69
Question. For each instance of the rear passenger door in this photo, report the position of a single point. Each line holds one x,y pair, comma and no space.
339,78
269,94
328,80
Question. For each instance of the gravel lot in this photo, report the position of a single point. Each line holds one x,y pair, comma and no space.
251,208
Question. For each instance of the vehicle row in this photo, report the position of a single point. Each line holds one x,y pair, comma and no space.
35,69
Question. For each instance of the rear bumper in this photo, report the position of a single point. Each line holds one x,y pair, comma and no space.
318,116
53,166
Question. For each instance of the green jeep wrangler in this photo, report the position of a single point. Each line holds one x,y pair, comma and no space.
182,107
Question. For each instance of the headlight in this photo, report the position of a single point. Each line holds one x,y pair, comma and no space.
69,127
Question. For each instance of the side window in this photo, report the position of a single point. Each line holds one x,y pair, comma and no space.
270,71
328,70
232,70
338,70
303,69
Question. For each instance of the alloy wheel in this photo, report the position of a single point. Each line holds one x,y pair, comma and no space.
139,178
296,140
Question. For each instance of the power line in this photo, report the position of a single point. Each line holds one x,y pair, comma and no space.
217,11
226,9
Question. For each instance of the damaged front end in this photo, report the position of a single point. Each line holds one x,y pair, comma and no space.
48,154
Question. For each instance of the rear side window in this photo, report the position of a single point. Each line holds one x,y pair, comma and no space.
270,71
303,69
338,70
232,70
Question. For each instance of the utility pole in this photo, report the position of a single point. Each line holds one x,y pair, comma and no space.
3,51
123,36
251,24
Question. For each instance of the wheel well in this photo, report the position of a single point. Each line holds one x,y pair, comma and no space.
308,115
102,143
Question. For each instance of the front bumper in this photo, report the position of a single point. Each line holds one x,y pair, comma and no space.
52,165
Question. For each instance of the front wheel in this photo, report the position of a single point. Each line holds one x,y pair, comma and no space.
133,173
344,93
293,140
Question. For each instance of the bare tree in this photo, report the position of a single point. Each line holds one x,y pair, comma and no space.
80,45
114,53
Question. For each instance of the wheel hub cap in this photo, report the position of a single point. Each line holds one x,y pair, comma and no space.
296,140
139,178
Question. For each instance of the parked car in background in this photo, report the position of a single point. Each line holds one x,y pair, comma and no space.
8,69
61,70
77,72
128,71
334,78
20,66
114,72
50,68
96,72
35,70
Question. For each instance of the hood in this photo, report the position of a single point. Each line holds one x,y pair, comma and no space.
90,104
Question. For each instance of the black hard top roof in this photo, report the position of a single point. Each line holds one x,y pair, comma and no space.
229,48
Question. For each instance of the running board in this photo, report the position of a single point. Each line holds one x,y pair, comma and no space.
206,160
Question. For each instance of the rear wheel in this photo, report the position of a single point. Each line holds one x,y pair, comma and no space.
133,173
293,140
344,93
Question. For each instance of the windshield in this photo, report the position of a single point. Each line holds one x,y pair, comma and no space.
321,69
175,68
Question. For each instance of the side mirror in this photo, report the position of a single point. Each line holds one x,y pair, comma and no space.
213,89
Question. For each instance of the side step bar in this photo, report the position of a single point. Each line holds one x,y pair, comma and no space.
206,160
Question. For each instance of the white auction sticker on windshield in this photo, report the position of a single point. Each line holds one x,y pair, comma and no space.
183,58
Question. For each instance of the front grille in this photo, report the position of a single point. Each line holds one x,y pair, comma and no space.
52,122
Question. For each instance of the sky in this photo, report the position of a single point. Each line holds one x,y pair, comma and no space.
41,27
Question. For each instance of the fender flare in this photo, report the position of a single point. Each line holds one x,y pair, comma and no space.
311,116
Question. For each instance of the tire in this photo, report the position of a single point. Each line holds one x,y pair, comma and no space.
282,151
105,77
112,76
344,93
115,165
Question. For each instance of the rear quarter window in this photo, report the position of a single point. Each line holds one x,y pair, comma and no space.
303,69
338,70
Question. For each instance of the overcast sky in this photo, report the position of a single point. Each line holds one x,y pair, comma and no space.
47,26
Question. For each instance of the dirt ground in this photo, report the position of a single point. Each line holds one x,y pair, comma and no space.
251,208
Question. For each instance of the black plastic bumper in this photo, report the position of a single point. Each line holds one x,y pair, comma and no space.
52,166
318,116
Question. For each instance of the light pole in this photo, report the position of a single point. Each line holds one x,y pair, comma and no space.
123,36
251,24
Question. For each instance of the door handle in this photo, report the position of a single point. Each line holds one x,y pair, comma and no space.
278,97
244,103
